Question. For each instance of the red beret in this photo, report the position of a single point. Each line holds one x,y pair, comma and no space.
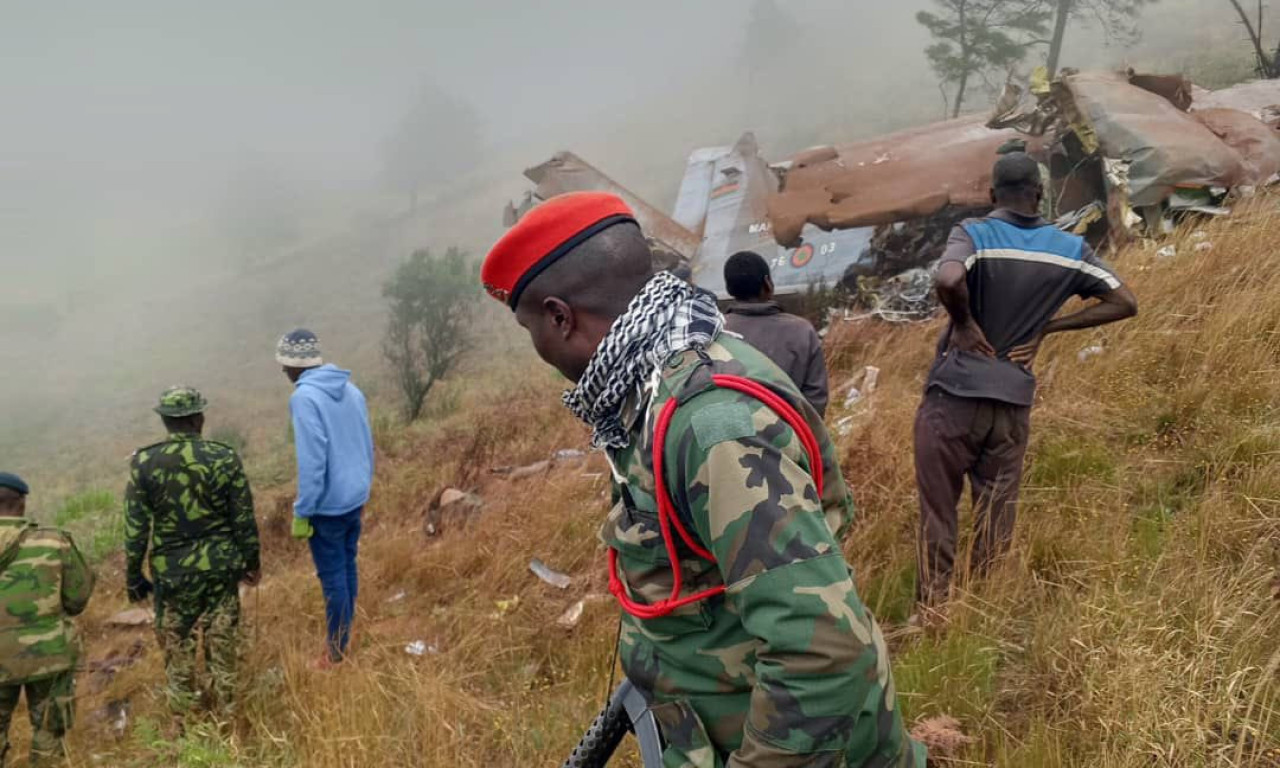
543,235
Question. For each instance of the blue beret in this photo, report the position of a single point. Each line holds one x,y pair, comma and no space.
12,481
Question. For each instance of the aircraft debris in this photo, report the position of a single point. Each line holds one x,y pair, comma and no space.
1123,155
1145,149
132,617
450,506
421,648
552,577
862,385
572,615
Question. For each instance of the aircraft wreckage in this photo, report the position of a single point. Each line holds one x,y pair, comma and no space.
1124,155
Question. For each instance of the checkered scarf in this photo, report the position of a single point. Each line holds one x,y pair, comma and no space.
667,316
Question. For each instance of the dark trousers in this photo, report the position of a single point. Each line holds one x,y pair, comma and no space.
334,545
954,437
51,709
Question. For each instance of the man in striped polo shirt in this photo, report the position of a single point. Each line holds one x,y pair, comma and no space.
1002,280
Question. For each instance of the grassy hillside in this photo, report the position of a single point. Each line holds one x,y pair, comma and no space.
1133,625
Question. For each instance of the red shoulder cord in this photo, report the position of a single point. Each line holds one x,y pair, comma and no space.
667,516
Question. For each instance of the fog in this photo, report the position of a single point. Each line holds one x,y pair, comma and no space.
180,182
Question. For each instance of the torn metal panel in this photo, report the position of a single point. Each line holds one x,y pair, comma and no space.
1260,98
1257,144
1165,147
566,172
906,175
1175,89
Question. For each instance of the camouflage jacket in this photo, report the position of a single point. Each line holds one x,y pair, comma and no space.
44,581
787,668
188,500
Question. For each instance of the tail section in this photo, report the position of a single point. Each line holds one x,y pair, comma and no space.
566,172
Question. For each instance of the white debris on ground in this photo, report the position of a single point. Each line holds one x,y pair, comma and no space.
550,576
1090,351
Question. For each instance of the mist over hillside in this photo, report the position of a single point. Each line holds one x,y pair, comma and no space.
183,181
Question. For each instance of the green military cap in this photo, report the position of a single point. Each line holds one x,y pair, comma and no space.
181,401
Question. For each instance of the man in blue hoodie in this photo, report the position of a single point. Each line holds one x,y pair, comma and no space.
335,470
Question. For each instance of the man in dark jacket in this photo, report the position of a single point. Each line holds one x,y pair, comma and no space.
1001,279
787,340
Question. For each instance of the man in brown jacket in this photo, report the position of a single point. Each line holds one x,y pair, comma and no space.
787,340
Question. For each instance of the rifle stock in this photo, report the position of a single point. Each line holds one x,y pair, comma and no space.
626,711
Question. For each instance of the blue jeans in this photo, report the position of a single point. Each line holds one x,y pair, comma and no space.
334,544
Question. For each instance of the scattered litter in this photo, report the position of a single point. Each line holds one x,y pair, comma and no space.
862,386
116,715
844,426
572,615
941,735
505,606
1090,351
132,617
421,648
552,577
397,597
1167,252
1204,247
569,454
1199,234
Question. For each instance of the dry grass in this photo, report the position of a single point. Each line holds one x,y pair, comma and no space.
1131,627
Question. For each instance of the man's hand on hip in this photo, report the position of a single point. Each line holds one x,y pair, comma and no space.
1025,354
968,337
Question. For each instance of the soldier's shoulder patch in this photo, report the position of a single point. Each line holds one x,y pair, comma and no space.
719,422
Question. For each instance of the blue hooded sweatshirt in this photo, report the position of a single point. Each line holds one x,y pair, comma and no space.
332,439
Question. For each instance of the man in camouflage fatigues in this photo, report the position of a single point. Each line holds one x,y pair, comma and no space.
44,581
787,667
189,502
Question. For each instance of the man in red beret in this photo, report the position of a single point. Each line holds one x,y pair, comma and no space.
753,649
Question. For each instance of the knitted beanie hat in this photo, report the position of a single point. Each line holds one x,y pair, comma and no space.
299,348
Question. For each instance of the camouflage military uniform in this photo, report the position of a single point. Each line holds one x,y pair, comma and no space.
787,668
188,500
43,582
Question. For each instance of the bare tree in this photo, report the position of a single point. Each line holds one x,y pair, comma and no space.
432,302
1116,18
1267,65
